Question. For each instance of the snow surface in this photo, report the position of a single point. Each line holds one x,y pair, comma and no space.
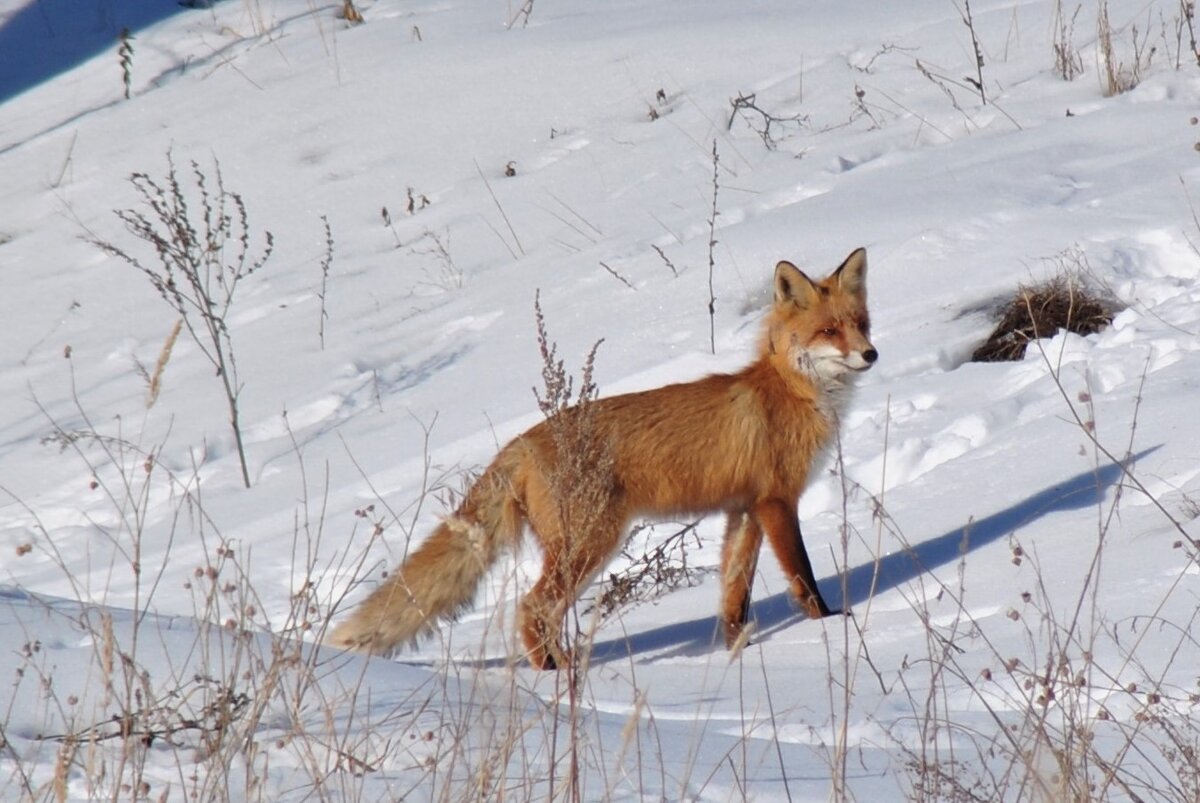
964,487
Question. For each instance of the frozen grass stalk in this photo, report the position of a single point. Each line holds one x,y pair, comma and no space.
969,20
326,263
1068,64
202,255
712,243
125,56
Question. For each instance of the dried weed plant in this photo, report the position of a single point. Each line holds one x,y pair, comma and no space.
1062,302
199,237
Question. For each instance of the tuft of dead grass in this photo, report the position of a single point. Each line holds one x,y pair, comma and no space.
1041,310
1120,73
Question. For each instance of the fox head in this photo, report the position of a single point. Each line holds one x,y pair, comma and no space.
821,328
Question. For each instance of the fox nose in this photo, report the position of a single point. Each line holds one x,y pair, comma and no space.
870,356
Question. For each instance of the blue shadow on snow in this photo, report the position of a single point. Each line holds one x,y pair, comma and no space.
46,38
697,636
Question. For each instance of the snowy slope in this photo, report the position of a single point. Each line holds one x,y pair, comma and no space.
370,391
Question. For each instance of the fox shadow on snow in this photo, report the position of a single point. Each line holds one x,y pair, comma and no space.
699,635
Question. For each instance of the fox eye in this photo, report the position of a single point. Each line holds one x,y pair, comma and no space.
828,331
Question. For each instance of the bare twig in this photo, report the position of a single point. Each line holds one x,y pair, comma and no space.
387,221
448,276
712,244
860,104
1187,10
616,275
666,259
500,208
326,263
523,13
942,82
885,49
977,81
650,575
743,104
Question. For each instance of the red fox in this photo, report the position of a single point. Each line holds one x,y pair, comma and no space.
741,443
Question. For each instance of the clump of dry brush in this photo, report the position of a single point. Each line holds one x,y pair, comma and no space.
1041,310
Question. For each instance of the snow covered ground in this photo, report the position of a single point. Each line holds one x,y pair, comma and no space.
1024,607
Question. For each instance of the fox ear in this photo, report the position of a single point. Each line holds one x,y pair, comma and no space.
791,285
851,275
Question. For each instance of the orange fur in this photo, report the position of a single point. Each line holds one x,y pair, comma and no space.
740,443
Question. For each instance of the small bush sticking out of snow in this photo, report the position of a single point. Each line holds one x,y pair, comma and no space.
1041,310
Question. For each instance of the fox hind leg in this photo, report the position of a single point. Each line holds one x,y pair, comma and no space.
739,560
544,607
540,619
572,559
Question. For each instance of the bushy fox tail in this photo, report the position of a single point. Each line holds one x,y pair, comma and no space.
439,579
